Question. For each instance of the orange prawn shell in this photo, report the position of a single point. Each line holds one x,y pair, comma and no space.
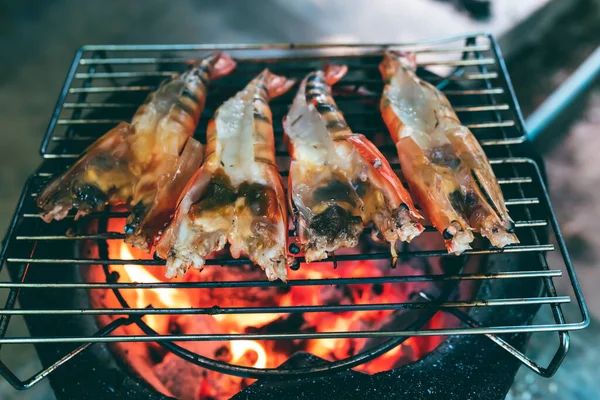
372,155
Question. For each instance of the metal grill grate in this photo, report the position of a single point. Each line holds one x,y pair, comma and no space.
106,84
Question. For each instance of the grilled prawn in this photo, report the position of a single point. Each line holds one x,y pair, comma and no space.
162,128
339,181
444,165
237,195
142,164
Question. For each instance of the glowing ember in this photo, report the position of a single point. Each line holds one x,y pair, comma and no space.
263,354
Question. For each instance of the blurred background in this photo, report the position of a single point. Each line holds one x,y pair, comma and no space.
546,44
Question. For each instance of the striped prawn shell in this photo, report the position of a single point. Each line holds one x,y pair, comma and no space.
318,93
185,109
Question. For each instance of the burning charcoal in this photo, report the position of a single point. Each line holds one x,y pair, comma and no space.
281,325
333,295
398,320
231,297
186,381
377,289
197,324
223,353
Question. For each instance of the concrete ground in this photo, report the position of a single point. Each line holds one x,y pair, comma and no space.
38,40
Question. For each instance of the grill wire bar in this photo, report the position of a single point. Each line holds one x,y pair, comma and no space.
471,72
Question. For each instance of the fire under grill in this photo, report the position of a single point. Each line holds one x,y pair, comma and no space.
52,264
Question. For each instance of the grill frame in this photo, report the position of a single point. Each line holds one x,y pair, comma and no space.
507,144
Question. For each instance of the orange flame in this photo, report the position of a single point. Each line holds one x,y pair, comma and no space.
241,350
259,355
157,298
